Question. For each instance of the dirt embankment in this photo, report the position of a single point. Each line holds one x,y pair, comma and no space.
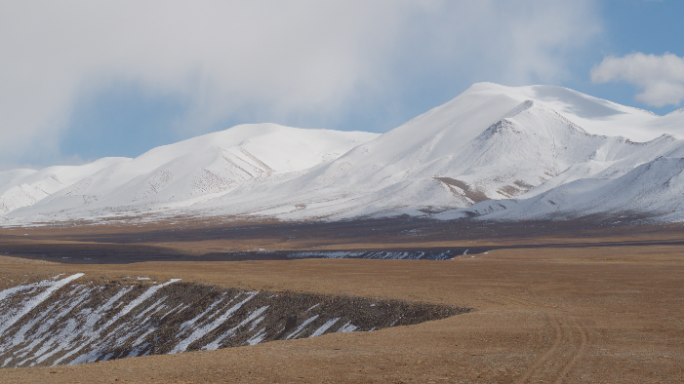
67,320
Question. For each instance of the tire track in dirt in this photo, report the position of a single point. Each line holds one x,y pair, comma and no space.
560,321
577,325
547,355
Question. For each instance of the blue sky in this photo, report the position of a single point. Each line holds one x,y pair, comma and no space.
86,80
650,27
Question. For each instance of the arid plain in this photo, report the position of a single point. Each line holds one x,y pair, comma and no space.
565,302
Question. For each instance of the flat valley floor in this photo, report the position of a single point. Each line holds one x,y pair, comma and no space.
572,302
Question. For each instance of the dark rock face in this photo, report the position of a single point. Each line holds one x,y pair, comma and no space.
68,321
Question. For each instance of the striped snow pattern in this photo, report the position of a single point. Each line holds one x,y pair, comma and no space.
408,255
73,321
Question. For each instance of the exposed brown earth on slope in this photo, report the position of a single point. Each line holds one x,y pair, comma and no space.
76,320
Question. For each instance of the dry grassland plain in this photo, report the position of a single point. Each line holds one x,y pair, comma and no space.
574,302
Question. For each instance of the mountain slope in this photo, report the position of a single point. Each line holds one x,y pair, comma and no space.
26,187
653,189
494,152
485,144
197,169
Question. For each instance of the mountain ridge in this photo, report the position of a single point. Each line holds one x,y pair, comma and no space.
489,153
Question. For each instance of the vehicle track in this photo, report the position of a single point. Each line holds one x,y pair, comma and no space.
547,355
577,355
567,330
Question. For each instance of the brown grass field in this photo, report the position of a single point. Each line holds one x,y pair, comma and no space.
573,302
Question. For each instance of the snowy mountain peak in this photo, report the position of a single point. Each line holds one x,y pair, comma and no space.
677,111
524,106
182,173
494,151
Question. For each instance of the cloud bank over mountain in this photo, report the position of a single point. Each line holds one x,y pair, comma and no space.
311,61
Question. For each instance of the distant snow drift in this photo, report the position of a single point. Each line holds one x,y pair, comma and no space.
493,152
393,255
64,322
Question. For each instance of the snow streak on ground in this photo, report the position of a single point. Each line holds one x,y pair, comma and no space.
69,321
409,255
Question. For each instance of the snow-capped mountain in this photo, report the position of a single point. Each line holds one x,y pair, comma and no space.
24,187
655,188
491,143
184,173
492,152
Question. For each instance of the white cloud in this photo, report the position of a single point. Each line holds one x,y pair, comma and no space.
266,58
661,78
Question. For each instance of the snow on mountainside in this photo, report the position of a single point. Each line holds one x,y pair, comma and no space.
489,143
680,110
656,187
7,176
492,152
23,188
197,169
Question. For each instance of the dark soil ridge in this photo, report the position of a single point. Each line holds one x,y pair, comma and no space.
82,322
106,244
126,254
